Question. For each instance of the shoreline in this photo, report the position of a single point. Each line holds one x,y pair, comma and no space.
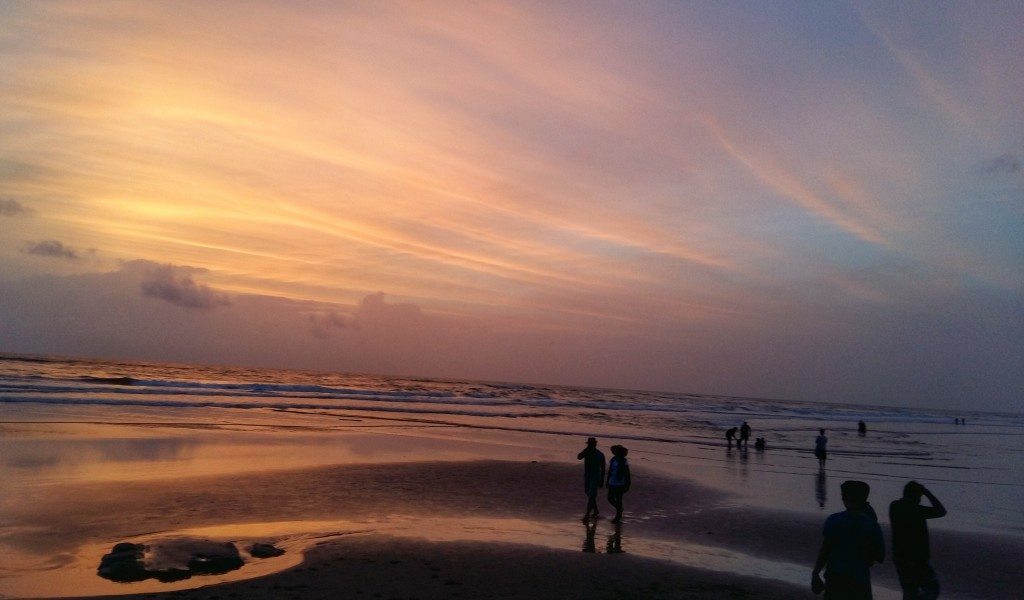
666,518
386,567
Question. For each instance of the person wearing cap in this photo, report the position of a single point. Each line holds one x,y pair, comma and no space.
853,542
593,475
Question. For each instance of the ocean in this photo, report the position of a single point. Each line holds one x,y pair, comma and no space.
980,459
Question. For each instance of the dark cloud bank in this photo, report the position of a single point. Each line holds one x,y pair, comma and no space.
962,352
175,285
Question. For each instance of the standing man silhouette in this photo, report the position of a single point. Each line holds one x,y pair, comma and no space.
593,475
853,542
910,550
821,448
744,434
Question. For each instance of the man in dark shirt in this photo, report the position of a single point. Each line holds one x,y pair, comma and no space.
744,434
910,550
593,475
853,542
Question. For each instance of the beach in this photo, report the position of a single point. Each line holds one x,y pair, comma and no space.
464,501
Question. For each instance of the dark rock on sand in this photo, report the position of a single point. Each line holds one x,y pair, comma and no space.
126,564
213,559
260,550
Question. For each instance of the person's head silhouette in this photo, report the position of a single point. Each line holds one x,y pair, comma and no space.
913,492
855,494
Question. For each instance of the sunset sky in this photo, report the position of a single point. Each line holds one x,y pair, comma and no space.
803,200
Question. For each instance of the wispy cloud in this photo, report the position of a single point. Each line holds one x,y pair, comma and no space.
788,185
941,94
53,249
1002,164
12,208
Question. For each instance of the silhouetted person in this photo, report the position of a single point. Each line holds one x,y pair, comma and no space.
729,435
910,550
744,433
593,475
821,448
618,480
862,428
760,444
853,542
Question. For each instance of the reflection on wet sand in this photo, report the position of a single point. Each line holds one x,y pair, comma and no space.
613,544
589,545
54,453
742,466
821,488
615,540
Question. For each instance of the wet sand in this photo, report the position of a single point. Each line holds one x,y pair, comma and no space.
398,568
510,525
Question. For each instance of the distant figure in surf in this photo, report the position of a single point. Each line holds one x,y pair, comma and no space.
593,475
744,433
821,448
862,428
729,435
760,444
910,550
853,542
618,479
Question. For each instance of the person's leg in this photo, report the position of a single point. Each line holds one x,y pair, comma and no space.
591,490
910,582
929,583
845,588
591,502
613,500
